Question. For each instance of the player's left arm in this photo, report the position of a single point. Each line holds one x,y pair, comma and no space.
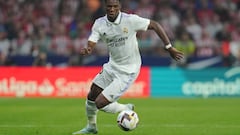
175,54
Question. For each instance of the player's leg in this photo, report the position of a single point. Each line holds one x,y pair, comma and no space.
111,107
91,111
107,100
101,81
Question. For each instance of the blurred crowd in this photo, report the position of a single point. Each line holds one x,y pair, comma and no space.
199,28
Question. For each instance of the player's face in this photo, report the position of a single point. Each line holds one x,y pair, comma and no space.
112,9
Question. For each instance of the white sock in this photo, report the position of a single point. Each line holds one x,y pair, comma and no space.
91,112
114,107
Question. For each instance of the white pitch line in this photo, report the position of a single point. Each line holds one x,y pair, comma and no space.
140,125
32,126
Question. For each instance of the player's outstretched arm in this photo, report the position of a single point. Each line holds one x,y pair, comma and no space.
88,50
174,53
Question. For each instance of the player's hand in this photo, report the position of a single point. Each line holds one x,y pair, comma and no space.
86,51
175,54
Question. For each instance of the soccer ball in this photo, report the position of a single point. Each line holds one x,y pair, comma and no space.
127,120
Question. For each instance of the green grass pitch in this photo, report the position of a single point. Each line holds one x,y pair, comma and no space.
158,116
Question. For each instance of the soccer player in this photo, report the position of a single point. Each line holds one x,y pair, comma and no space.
118,30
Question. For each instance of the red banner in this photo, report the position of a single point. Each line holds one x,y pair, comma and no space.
59,82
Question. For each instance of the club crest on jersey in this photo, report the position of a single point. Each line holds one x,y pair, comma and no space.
125,30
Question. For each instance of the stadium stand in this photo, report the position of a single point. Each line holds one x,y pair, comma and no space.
203,29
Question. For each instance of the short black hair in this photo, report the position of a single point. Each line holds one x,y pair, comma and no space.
106,1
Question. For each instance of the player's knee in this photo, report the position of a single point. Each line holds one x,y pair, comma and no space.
91,97
94,92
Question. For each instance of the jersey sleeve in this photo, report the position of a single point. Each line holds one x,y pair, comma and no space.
95,35
140,23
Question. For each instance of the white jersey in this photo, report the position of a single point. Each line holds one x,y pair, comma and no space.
120,37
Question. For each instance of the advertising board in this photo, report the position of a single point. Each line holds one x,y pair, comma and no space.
202,82
59,82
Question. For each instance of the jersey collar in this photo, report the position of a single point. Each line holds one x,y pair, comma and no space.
118,19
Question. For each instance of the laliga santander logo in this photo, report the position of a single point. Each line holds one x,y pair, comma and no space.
57,87
20,88
228,86
46,88
59,82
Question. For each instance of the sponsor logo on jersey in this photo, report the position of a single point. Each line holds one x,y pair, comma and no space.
116,42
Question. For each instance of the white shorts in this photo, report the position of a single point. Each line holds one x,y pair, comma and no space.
113,82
